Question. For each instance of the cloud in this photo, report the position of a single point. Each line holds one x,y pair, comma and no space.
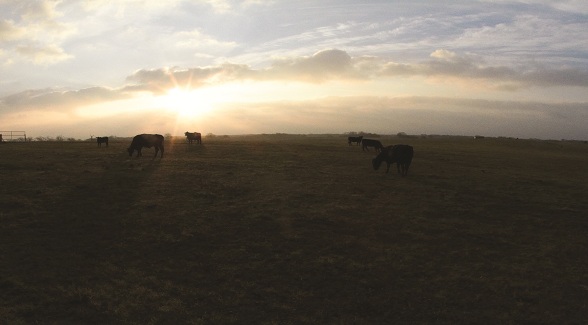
9,31
384,115
163,79
219,6
59,100
200,42
334,64
321,66
450,65
44,10
43,55
35,34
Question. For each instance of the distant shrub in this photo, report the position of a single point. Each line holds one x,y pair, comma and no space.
365,134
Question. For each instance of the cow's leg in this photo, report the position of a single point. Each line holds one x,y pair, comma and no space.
139,154
157,149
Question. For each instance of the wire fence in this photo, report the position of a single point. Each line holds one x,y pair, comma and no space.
13,136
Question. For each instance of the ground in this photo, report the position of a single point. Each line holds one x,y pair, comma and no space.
284,229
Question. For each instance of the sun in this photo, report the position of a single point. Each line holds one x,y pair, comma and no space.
188,102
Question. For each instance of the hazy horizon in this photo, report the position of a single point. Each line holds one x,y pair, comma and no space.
494,68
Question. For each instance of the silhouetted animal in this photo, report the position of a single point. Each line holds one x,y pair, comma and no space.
101,140
365,143
147,141
194,136
355,139
401,154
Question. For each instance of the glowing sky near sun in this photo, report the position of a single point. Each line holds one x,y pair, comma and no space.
98,67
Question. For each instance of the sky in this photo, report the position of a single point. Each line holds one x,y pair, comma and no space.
82,68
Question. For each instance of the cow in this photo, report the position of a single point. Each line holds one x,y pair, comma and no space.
147,141
101,140
365,143
194,136
357,140
401,154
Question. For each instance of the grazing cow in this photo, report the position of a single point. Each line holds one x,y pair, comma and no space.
147,141
365,143
355,139
401,154
194,136
101,140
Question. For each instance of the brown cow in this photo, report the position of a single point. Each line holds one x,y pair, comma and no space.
401,154
193,136
147,141
101,140
365,143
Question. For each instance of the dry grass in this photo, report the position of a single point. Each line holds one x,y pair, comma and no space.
281,229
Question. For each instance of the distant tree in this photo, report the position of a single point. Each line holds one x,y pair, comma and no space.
401,134
40,138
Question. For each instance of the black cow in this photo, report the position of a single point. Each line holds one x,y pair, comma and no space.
101,140
365,143
355,139
194,136
401,154
147,141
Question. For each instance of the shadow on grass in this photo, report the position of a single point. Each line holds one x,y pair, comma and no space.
58,248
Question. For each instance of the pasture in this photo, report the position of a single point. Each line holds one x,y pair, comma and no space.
291,229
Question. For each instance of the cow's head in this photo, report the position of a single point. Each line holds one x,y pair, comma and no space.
130,151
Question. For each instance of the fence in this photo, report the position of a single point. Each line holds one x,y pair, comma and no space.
13,136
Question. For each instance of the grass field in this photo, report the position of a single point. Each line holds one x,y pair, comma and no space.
290,229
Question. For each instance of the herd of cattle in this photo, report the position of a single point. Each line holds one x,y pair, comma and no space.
401,154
